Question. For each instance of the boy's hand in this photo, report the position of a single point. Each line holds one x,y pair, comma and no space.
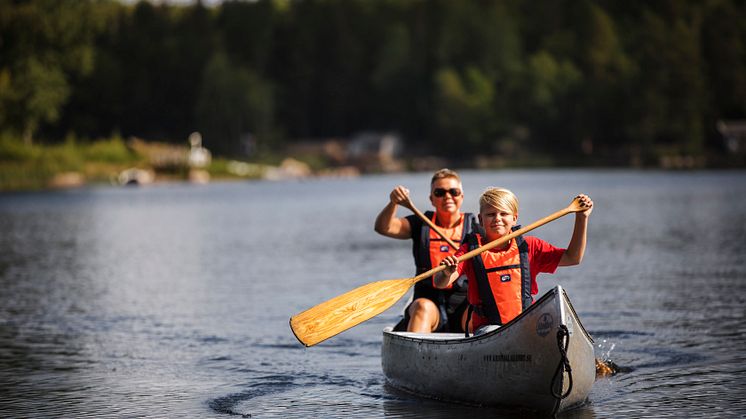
586,202
451,263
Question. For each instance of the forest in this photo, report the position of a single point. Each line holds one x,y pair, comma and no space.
566,82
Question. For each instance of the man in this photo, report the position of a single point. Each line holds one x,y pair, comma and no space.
432,309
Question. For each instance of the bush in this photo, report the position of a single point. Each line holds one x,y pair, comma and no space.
13,149
111,150
24,166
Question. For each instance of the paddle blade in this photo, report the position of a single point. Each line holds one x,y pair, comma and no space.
334,316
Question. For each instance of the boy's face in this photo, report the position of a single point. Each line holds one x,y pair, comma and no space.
446,195
496,222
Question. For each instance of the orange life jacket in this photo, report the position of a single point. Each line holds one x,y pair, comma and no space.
433,249
503,280
438,248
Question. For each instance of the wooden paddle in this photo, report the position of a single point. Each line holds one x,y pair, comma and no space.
414,209
334,316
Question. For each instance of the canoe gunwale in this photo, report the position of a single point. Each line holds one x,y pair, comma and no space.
567,301
556,291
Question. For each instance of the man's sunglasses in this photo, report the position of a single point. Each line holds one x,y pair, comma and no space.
440,192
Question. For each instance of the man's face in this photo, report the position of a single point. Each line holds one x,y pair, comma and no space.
446,195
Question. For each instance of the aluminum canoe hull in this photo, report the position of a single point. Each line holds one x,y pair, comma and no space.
514,365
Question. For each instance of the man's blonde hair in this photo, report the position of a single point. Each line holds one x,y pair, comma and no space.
500,198
444,173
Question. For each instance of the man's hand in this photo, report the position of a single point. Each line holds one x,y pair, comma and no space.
399,196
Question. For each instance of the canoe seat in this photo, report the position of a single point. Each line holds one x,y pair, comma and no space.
442,336
427,336
486,329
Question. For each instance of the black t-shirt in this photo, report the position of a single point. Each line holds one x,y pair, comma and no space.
416,223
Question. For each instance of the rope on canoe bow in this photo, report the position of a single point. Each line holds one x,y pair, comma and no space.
563,342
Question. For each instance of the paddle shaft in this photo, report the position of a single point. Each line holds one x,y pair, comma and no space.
574,207
414,209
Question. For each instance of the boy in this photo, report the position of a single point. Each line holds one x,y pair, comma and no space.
502,280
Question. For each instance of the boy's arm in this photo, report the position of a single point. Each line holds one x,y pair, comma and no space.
575,250
445,277
387,223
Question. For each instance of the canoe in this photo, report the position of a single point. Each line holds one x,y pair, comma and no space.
518,365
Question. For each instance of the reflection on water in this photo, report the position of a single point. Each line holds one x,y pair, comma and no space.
174,300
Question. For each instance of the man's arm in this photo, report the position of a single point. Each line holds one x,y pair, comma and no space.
387,223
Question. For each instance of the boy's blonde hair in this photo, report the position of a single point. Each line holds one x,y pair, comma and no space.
445,173
500,198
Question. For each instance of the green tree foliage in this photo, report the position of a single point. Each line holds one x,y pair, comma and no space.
671,94
723,43
464,110
148,68
43,44
585,81
234,102
550,85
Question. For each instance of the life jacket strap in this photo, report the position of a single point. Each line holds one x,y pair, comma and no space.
479,309
469,310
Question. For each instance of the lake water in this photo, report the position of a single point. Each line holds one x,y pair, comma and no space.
174,300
